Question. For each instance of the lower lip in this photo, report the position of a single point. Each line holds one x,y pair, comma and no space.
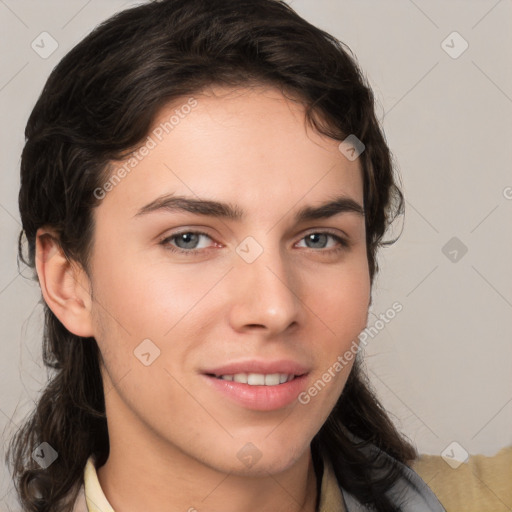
260,398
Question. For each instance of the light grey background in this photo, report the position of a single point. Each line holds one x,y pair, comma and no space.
442,366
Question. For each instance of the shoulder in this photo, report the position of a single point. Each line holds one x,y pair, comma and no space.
479,483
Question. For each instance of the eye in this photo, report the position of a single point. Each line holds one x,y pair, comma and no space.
186,242
320,238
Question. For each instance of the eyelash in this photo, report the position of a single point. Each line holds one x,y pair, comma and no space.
344,244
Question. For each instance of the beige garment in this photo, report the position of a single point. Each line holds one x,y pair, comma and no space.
92,499
482,484
330,494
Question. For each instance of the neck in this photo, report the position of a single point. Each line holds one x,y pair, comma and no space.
136,480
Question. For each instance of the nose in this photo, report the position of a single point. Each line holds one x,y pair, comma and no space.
265,292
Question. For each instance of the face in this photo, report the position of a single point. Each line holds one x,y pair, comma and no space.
220,326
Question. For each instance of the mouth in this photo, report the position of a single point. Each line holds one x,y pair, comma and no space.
258,385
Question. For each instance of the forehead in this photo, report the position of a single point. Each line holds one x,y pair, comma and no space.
247,146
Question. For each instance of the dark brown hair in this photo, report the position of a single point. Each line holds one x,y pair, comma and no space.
99,104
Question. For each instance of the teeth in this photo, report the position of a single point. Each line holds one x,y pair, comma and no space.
272,379
259,379
283,377
256,379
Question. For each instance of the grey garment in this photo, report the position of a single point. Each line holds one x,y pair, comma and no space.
408,494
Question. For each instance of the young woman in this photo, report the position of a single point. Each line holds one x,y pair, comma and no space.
204,188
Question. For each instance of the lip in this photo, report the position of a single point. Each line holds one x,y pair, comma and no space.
258,398
259,366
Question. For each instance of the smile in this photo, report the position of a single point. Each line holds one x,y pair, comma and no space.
258,379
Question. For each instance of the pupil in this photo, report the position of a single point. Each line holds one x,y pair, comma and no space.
184,236
314,236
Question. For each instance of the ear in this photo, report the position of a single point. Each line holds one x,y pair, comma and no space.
64,284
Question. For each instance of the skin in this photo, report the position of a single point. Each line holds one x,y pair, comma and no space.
173,439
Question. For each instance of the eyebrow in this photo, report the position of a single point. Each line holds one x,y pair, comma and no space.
207,207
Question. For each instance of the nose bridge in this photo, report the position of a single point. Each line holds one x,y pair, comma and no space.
267,286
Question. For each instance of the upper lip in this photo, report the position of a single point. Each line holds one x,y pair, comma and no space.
259,366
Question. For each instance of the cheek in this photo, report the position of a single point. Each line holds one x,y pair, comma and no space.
136,296
340,303
140,299
340,300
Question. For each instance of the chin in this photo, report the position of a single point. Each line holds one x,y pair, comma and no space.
270,465
269,456
257,458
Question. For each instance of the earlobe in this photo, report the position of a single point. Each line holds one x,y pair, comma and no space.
64,284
